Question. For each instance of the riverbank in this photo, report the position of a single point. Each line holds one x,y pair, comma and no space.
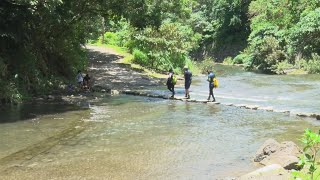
111,75
110,72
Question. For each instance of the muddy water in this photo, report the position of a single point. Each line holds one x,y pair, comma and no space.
128,137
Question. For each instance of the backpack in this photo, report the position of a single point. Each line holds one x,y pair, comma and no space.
211,77
215,83
174,79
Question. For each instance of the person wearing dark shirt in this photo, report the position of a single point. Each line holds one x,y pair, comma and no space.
211,76
187,81
170,83
86,81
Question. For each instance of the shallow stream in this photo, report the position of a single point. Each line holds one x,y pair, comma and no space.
127,137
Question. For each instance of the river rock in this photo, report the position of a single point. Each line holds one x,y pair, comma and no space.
254,107
191,100
273,171
202,101
240,105
50,97
85,104
213,102
303,115
281,111
115,92
286,154
268,108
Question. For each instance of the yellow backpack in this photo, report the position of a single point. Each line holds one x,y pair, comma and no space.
215,83
174,79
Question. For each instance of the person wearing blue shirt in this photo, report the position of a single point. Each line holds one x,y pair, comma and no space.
211,76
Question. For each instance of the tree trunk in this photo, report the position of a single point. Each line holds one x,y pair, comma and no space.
103,30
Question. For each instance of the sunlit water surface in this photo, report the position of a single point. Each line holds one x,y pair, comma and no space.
128,137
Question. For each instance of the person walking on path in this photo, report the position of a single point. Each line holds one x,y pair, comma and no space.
170,82
210,79
79,78
187,81
86,82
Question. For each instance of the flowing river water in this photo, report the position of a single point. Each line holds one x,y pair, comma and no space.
128,137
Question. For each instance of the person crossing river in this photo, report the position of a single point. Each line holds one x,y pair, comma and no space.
171,81
187,81
210,79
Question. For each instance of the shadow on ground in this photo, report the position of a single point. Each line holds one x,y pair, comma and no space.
107,72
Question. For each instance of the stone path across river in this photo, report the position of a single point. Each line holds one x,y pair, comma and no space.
108,73
247,106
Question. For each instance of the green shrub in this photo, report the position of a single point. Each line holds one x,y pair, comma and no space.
308,161
206,65
244,58
139,57
281,67
111,38
193,66
304,36
313,65
268,54
166,47
9,91
228,61
239,59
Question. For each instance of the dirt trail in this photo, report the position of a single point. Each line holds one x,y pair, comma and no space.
108,73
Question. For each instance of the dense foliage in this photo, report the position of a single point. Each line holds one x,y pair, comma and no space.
41,41
283,32
189,29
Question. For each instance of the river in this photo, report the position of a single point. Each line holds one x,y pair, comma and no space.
128,137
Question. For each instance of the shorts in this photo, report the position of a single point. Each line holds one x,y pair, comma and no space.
187,85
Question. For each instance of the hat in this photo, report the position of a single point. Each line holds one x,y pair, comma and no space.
185,67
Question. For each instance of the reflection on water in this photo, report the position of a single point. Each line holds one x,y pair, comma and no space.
140,138
297,93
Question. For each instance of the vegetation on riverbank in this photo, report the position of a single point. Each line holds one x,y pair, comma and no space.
284,35
308,160
42,42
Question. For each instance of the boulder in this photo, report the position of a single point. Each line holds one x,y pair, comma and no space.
50,97
115,92
285,154
84,104
268,147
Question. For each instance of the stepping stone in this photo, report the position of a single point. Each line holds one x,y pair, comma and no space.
268,108
240,105
253,107
202,101
191,100
281,111
227,104
178,98
213,102
304,114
